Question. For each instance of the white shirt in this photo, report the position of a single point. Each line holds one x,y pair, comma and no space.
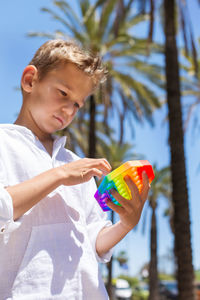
48,253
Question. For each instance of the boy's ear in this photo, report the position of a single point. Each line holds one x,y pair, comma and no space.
30,74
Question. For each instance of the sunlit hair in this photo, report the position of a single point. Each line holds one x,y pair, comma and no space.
54,53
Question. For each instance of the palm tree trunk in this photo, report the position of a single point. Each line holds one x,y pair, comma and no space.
153,269
92,128
110,275
183,251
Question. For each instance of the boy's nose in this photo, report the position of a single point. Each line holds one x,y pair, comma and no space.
69,110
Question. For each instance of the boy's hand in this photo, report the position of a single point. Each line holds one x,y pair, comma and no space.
131,210
84,169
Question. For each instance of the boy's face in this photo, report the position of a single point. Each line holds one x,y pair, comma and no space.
53,102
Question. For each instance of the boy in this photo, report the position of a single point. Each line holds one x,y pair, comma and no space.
53,233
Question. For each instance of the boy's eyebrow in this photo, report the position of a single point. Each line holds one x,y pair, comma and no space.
65,84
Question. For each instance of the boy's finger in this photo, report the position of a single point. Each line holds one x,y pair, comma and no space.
133,187
86,175
101,164
124,202
118,209
107,164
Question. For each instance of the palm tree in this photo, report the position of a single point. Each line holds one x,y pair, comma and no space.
160,188
122,258
191,89
183,251
121,52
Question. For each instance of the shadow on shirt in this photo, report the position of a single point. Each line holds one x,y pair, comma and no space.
51,243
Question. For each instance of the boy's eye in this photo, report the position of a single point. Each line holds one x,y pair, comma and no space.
63,93
76,105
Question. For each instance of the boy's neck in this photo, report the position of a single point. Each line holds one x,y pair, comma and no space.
45,139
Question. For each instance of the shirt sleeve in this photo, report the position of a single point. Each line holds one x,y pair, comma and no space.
96,219
7,223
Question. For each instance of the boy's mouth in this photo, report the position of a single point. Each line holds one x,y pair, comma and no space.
59,119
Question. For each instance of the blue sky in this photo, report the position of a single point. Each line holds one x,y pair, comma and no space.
18,17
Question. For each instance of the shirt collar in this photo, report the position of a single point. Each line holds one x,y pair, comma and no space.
58,141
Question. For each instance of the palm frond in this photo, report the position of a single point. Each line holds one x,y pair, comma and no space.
107,9
69,13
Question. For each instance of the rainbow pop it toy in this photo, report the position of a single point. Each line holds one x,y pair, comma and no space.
115,180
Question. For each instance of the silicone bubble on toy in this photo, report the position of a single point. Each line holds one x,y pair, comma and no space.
115,180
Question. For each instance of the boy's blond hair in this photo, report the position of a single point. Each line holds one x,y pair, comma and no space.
54,53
